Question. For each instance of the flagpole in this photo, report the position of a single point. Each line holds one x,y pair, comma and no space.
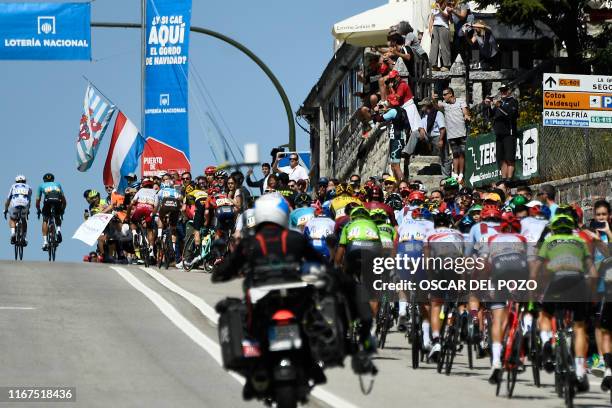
143,12
99,91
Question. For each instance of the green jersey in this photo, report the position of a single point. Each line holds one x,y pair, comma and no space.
387,235
564,252
359,230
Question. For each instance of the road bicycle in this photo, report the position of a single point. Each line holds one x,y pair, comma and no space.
449,340
384,320
20,231
512,348
415,331
52,235
165,247
564,360
141,243
193,255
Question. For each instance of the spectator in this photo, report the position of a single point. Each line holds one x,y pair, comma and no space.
455,114
261,183
271,184
487,45
109,192
436,196
440,36
292,185
396,116
241,191
355,181
186,180
411,40
383,177
433,131
505,113
525,191
390,186
397,54
503,185
460,14
302,186
546,195
370,77
331,185
321,189
295,171
233,192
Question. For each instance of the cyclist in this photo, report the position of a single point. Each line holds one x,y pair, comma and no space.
168,206
303,212
411,237
375,199
52,196
19,198
415,200
219,215
358,245
141,209
344,195
443,243
98,205
507,260
317,230
565,259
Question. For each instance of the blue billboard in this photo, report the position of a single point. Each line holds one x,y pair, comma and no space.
45,31
166,127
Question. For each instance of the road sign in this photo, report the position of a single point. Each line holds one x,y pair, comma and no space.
577,118
582,101
578,83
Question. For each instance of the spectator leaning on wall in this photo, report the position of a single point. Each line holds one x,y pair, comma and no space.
504,113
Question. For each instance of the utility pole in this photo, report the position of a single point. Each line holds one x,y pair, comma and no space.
277,85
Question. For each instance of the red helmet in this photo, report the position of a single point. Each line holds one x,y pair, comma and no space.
393,99
376,194
490,212
416,196
147,183
509,221
210,170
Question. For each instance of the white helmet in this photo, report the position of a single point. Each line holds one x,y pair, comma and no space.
272,208
20,178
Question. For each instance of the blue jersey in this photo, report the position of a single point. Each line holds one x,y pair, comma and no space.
49,190
166,193
316,230
299,217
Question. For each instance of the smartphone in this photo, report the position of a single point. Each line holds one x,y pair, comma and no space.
597,225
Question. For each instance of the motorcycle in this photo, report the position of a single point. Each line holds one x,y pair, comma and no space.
282,336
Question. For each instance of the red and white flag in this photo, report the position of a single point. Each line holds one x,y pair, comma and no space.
124,153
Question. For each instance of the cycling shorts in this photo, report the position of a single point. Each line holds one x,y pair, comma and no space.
172,213
509,266
13,212
569,291
50,203
224,216
142,211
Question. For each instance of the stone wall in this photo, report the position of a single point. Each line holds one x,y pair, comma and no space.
584,190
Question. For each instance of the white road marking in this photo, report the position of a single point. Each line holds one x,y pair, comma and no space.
194,333
16,308
198,302
175,317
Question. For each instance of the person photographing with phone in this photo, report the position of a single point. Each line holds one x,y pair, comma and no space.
295,171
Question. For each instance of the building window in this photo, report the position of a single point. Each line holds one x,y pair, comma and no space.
343,102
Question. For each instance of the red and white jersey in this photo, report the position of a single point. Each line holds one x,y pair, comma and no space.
505,243
446,242
532,228
146,196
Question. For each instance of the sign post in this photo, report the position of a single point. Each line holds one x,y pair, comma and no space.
581,101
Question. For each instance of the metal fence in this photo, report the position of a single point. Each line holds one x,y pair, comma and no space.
569,152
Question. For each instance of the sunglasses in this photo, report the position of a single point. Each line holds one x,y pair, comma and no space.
389,183
186,179
355,181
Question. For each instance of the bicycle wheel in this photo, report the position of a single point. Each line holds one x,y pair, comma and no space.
17,239
169,254
415,337
383,323
511,381
568,390
144,252
470,352
189,253
452,347
535,354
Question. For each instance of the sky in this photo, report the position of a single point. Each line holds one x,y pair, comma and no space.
41,101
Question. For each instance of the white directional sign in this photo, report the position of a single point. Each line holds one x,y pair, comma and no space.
583,101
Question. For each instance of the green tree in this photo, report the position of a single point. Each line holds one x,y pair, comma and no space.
565,18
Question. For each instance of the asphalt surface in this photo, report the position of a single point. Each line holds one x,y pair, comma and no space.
131,336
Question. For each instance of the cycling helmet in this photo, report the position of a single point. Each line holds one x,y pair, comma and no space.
509,221
92,194
518,200
147,183
466,224
545,212
326,210
491,213
562,222
20,178
272,208
416,196
451,183
442,219
210,170
166,184
474,208
134,185
48,177
344,189
302,200
359,212
379,216
376,194
394,201
221,174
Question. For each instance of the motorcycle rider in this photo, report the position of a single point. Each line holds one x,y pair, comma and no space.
272,243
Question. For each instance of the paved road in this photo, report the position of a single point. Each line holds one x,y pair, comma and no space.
130,336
